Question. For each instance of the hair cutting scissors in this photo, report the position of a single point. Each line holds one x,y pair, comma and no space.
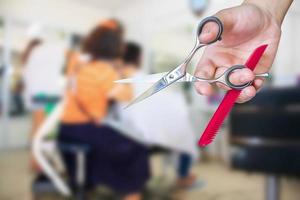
179,74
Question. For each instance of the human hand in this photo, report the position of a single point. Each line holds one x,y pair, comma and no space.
245,28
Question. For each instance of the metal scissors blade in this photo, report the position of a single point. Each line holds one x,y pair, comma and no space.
159,85
168,79
152,78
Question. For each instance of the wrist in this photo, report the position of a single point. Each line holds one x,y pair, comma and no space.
276,8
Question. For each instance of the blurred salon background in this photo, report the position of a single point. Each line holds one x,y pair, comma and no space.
48,48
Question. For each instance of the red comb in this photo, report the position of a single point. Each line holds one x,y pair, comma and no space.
228,102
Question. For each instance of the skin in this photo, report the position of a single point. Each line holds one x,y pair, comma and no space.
246,27
135,196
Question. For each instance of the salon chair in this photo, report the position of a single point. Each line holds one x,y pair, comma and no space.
42,186
265,135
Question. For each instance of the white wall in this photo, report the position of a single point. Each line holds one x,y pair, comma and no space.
286,67
65,14
54,17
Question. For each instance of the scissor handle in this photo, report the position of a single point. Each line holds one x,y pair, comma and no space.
229,83
211,19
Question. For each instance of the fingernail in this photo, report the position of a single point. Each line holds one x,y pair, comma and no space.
248,93
202,91
243,79
205,34
206,31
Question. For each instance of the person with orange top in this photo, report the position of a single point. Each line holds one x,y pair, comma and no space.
114,160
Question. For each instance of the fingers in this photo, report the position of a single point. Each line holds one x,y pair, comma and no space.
205,69
258,83
211,29
246,94
241,76
203,88
249,92
238,77
209,32
227,18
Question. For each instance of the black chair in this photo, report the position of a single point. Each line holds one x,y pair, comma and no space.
266,135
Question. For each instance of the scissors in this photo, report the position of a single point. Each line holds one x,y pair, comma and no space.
180,74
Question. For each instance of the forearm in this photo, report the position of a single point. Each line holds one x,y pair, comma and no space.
277,8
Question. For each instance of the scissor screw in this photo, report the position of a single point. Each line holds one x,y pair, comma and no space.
171,76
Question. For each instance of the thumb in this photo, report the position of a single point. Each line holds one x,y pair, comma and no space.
211,29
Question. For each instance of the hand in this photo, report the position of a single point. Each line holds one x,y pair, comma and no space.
245,28
34,165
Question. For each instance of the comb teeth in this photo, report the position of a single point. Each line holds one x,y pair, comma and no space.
227,103
217,119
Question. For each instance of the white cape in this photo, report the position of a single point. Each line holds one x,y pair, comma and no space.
162,119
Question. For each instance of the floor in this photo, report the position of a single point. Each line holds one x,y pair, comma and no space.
216,181
15,175
14,132
220,183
